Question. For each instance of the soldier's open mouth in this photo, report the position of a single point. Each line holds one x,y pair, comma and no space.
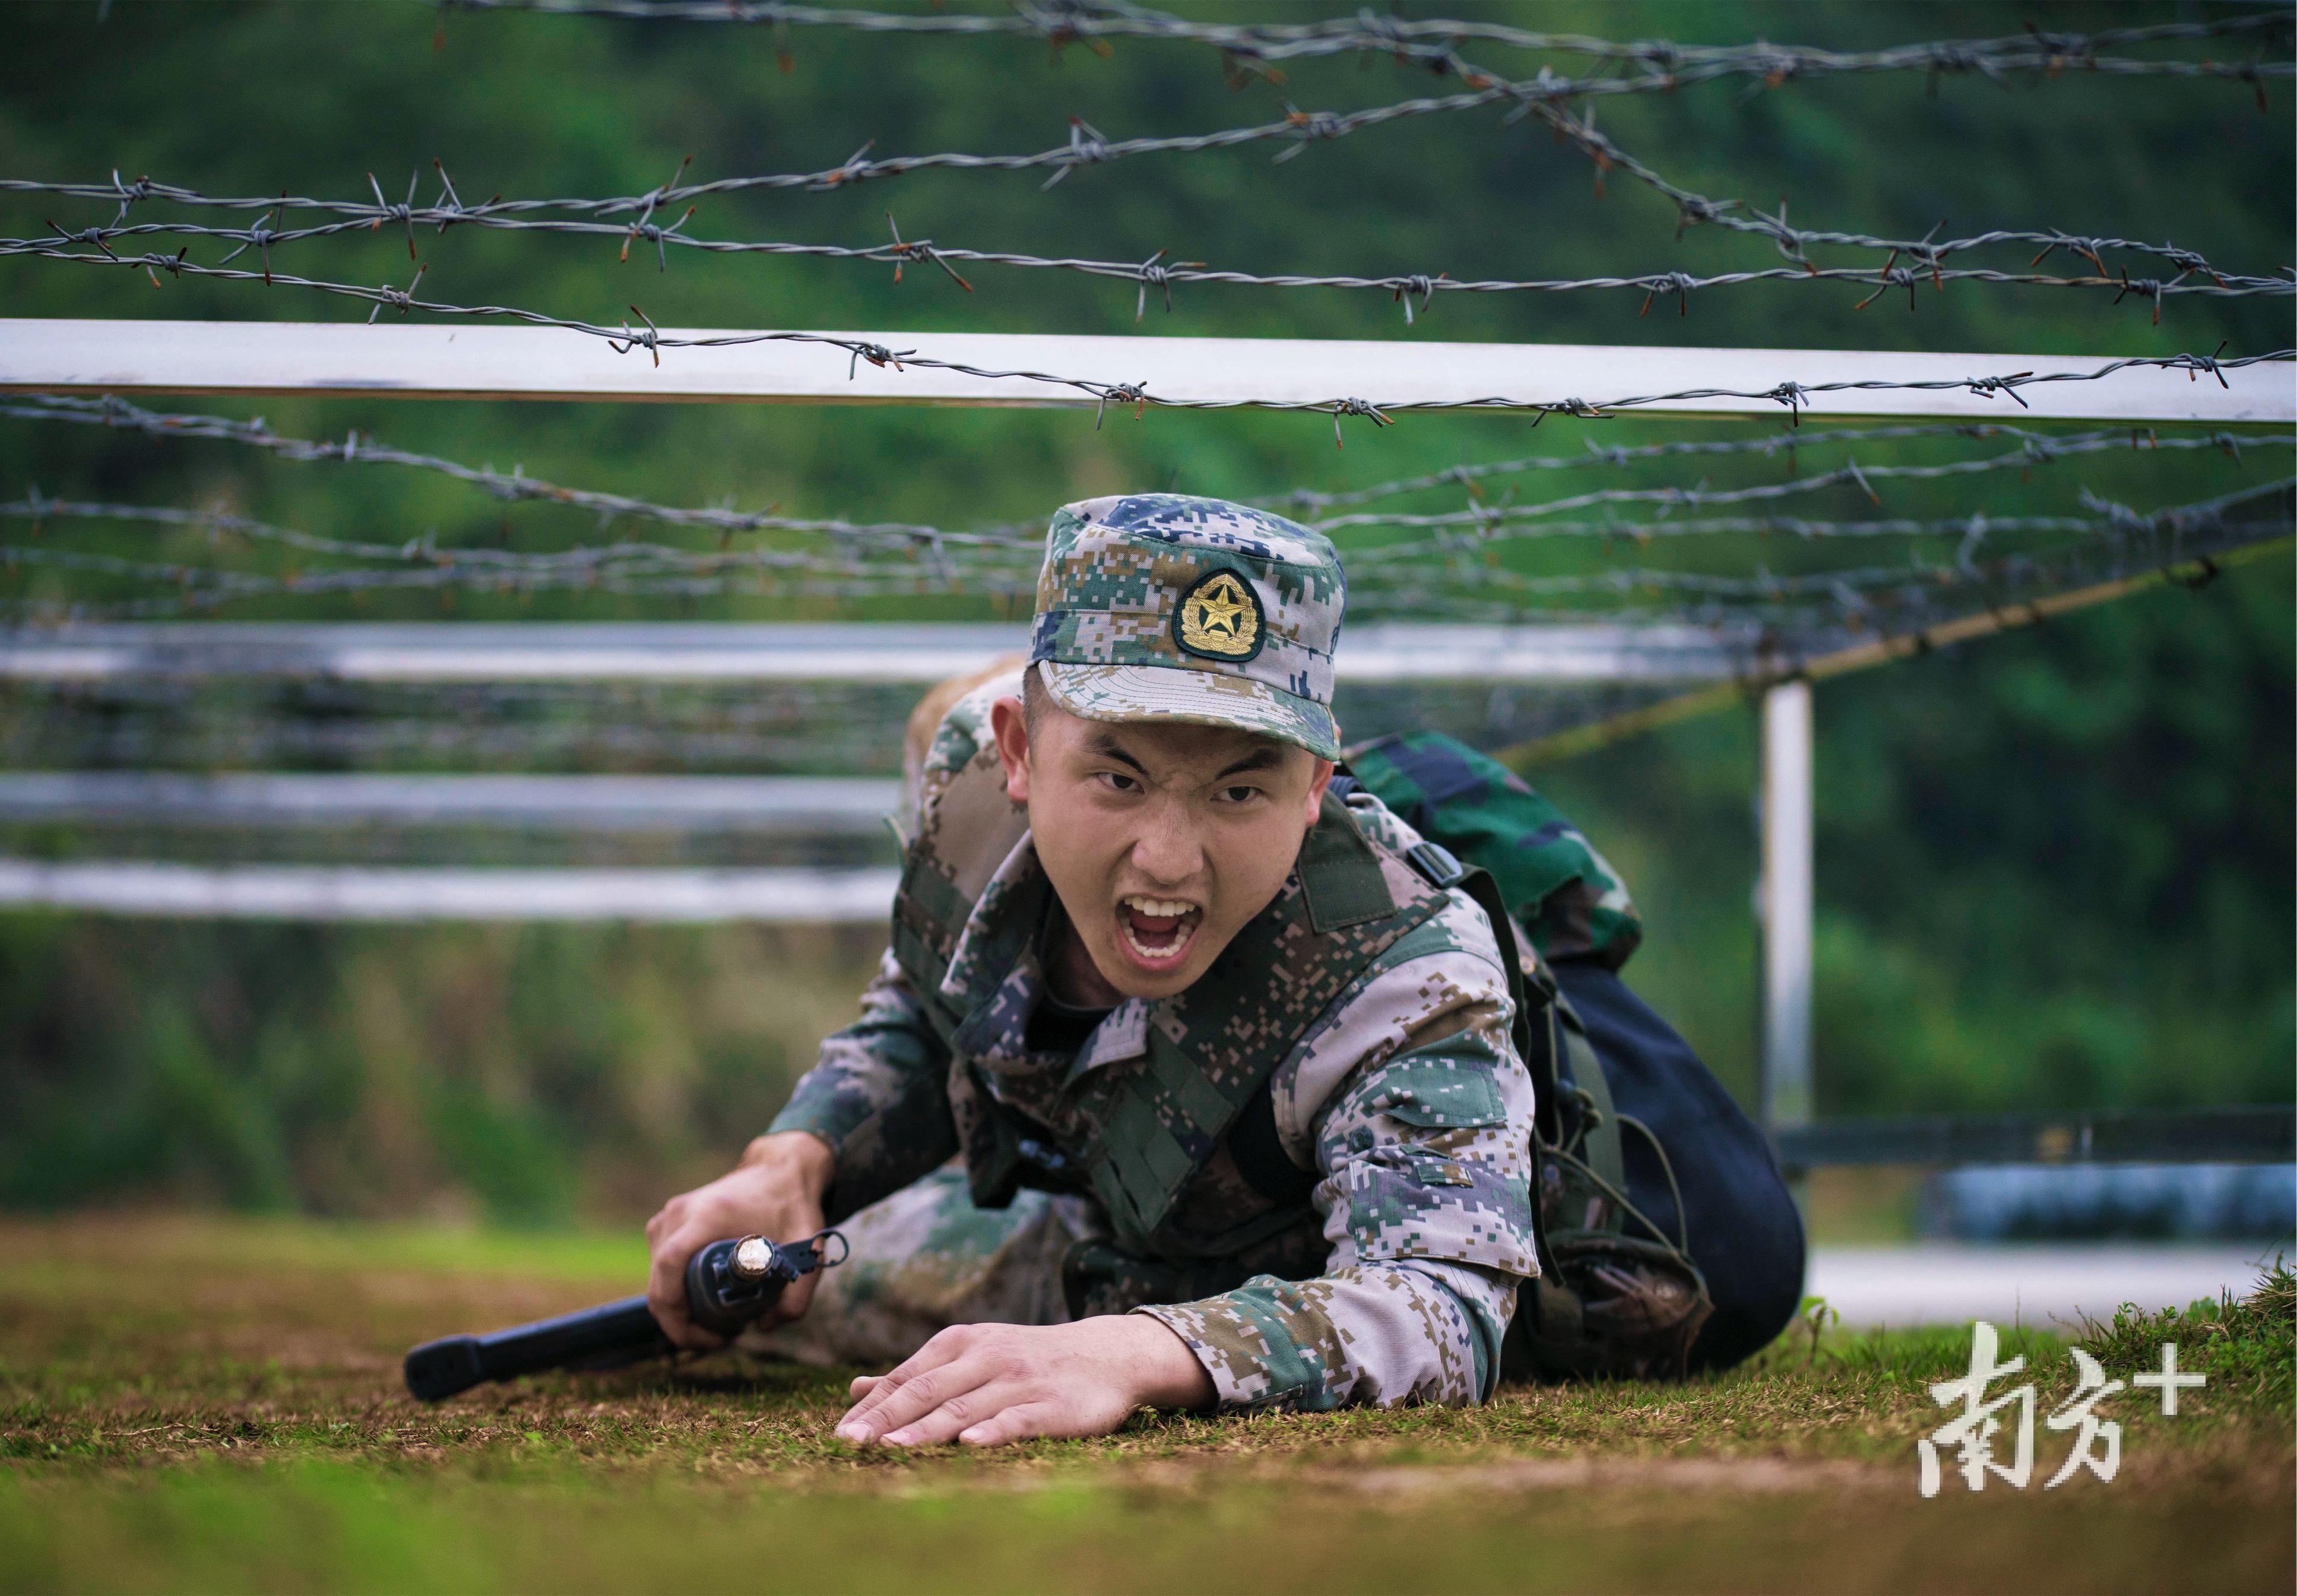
1157,930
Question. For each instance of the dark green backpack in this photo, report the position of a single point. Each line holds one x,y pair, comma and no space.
1617,1295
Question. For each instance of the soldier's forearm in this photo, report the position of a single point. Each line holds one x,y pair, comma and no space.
1376,1333
805,1160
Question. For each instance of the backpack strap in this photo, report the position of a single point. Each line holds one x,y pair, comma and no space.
1599,1121
1529,983
1254,1142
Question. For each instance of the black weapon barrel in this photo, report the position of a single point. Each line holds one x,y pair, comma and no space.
619,1332
728,1284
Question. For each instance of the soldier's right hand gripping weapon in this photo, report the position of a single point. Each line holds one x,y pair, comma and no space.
728,1285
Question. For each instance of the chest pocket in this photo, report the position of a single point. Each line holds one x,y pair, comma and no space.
1441,1096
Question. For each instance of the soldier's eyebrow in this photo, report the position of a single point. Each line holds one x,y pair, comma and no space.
1259,759
1108,747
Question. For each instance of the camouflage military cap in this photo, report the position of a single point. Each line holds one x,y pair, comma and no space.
1156,606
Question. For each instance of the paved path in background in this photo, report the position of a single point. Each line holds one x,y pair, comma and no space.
1945,1282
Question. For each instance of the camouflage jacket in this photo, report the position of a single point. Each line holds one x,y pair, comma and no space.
1396,1091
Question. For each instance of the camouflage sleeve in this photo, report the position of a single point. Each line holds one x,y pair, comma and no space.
1410,1101
879,1096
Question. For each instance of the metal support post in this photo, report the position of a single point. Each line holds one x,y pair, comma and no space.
1785,896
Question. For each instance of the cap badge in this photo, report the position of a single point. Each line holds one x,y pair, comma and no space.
1219,618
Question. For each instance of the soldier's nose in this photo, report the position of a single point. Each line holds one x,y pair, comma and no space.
1168,854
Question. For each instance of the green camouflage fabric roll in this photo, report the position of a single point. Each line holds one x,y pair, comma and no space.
1157,606
1568,900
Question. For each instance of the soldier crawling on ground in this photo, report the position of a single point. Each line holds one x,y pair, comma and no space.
1187,1082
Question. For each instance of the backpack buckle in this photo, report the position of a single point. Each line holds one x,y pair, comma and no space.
1437,864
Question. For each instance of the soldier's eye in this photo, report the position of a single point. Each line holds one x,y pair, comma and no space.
1239,794
1120,782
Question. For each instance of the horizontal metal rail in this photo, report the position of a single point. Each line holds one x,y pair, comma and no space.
2097,1136
811,806
856,652
1818,658
423,361
326,892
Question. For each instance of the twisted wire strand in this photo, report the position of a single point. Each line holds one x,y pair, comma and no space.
1852,473
425,550
1406,289
1791,395
1485,523
1801,614
1430,42
2110,527
512,485
1549,96
480,566
1467,474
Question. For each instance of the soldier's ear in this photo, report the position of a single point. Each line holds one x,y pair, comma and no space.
1321,778
1009,725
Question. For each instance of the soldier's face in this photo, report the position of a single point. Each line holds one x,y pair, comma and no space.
1163,840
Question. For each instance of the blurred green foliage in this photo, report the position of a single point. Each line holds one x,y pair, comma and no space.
514,1071
2056,868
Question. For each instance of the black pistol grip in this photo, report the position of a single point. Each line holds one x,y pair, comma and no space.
725,1300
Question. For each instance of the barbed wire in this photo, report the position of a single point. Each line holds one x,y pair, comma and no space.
1086,146
1405,289
1374,564
218,522
1791,395
205,588
1792,608
481,567
1483,516
111,411
1547,96
201,587
1468,476
1432,42
950,549
512,485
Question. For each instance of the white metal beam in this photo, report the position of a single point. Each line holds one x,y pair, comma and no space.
858,651
798,805
416,360
323,892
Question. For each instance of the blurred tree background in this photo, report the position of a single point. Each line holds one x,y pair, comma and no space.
2056,868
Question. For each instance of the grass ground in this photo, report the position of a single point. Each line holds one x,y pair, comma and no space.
207,1406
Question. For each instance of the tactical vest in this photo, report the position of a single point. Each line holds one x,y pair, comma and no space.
1156,1121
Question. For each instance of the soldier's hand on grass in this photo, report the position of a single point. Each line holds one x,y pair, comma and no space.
775,1192
989,1383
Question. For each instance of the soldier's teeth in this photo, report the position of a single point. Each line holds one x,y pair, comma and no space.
1162,908
1146,951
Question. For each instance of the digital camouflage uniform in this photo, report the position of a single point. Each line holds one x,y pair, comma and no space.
1353,1038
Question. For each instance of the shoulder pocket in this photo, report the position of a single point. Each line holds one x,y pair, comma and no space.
1437,1096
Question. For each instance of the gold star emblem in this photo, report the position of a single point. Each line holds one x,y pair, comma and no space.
1220,617
1218,610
